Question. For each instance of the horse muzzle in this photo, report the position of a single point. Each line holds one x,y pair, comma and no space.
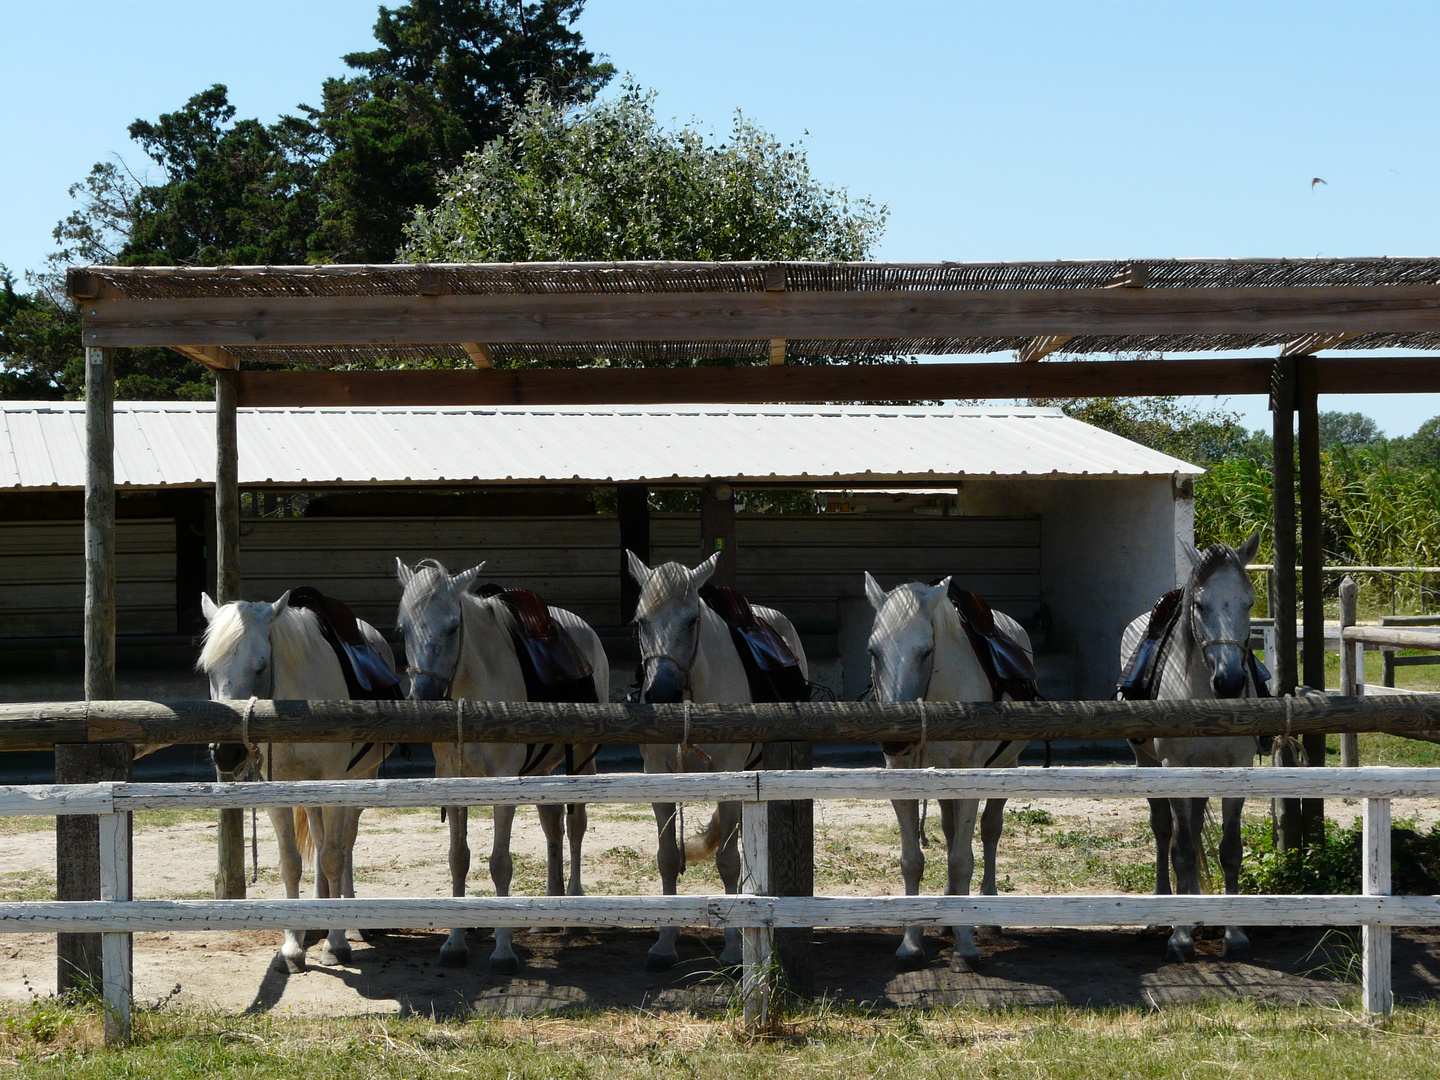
666,684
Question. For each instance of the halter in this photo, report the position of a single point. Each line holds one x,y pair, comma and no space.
448,682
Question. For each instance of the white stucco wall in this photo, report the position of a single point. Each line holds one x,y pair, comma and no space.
1108,550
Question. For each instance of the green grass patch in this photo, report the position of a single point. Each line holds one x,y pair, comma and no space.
31,883
1029,817
1335,866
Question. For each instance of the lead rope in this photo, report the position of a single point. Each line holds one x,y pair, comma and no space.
254,813
680,806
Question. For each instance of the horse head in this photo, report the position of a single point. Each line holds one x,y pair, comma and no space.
1218,599
667,618
902,643
432,621
236,653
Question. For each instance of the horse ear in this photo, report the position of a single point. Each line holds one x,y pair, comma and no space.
638,570
1248,549
873,592
463,581
208,607
403,572
701,573
280,605
937,593
1192,553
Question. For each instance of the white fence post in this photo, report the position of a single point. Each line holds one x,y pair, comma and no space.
116,949
1349,743
1376,988
757,940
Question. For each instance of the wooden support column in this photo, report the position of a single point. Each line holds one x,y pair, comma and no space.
717,529
1312,562
230,829
792,863
1352,659
1288,828
77,838
632,505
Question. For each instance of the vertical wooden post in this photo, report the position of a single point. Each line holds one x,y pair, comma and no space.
717,529
792,862
1351,656
757,940
1288,826
116,884
632,507
1312,563
1375,857
230,829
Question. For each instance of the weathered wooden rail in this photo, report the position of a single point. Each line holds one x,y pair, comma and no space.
42,725
117,915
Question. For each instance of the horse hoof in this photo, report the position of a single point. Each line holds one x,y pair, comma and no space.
907,961
965,964
335,957
454,958
370,937
661,961
504,965
1239,950
1180,954
990,933
289,965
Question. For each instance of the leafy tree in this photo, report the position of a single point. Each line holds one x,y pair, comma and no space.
1418,451
440,85
23,335
1348,429
1188,432
607,182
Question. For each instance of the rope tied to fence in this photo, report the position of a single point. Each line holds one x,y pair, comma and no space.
460,728
1287,740
924,734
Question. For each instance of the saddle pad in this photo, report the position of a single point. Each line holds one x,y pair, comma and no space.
771,667
553,666
367,676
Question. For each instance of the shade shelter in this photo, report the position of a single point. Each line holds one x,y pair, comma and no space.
1270,318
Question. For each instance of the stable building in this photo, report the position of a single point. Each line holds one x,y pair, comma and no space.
1069,528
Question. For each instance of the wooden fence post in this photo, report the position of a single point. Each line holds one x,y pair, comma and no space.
1351,657
792,862
1312,562
230,828
757,940
1289,833
117,982
717,529
1375,984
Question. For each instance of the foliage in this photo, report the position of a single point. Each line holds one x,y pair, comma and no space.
439,86
1334,867
607,182
1170,426
1347,429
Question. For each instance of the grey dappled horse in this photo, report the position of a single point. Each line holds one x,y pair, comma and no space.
459,645
1205,657
919,651
275,651
686,651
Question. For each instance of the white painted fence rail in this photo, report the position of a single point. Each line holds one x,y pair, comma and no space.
116,916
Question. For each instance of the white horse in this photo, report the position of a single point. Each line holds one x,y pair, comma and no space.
1204,657
276,651
686,649
459,645
919,651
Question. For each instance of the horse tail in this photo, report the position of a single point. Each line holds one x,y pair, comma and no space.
698,847
304,841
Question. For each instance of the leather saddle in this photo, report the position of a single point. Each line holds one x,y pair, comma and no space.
554,667
771,666
367,676
1007,665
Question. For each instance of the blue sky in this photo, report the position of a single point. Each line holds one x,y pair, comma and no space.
993,131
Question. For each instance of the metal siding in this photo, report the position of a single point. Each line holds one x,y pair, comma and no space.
173,443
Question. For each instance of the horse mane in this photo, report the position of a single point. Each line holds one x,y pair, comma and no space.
291,634
1215,556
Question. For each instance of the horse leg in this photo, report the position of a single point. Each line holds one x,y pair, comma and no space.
552,823
992,824
957,817
330,863
1162,825
663,955
1189,817
577,821
291,957
727,861
911,954
454,952
1237,945
347,879
503,960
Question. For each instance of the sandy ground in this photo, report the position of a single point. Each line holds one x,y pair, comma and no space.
1084,846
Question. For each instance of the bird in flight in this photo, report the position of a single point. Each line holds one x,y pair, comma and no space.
1317,180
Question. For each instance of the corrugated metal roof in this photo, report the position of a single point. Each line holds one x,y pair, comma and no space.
162,443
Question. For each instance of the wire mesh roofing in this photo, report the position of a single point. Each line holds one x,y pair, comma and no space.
164,443
746,277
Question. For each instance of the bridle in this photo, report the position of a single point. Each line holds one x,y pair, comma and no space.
447,681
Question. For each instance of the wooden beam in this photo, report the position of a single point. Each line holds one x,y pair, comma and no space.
1037,348
777,351
843,382
878,315
212,356
1313,343
480,354
717,529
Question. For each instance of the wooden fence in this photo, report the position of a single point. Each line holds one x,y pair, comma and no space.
116,915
